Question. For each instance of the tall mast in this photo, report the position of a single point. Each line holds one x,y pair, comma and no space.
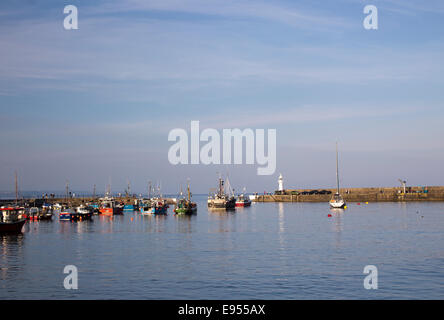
16,189
149,189
109,186
221,186
337,167
94,192
67,189
188,189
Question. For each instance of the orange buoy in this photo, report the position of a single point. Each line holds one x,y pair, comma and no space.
329,215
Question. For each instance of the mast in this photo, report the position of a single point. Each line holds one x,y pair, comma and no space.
16,188
189,193
67,190
221,186
94,192
149,189
109,186
337,167
128,189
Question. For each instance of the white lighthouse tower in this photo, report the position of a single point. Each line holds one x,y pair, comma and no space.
281,183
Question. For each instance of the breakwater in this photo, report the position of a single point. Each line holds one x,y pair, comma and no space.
38,202
395,194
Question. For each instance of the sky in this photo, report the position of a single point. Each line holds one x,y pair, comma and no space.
95,105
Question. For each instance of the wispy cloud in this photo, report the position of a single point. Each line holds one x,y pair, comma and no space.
290,14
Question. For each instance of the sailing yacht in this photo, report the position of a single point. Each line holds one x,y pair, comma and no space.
337,201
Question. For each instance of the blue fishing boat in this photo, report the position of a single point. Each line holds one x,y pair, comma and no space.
68,215
153,206
128,207
95,207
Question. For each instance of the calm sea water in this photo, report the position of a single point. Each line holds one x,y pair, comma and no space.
267,251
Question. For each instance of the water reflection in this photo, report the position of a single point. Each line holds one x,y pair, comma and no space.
281,217
154,222
184,223
12,246
282,240
338,225
223,218
267,251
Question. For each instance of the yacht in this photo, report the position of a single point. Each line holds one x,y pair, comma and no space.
337,201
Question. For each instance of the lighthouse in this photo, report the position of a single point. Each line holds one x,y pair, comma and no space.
281,183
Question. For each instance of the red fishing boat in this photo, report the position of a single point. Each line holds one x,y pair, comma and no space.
109,206
10,220
243,201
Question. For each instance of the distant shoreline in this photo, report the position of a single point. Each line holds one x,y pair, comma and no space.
393,194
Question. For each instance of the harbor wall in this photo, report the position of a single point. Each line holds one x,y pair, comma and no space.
395,194
38,202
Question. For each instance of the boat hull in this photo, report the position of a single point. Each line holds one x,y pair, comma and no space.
129,207
111,211
337,205
64,216
12,227
154,210
67,216
243,203
222,204
188,211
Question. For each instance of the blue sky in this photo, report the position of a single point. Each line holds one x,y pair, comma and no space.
97,103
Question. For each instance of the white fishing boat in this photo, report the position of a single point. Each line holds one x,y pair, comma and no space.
220,199
337,202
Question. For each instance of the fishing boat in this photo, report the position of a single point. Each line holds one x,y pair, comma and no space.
185,206
145,206
84,212
68,214
95,207
128,207
33,213
337,202
47,212
108,206
156,206
221,200
243,201
10,220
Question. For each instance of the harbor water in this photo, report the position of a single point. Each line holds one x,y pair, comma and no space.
266,251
